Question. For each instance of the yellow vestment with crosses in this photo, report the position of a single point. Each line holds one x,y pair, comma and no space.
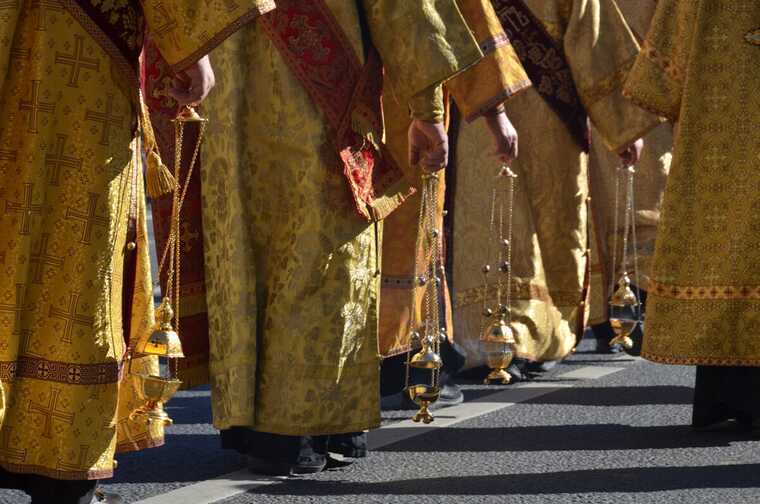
74,269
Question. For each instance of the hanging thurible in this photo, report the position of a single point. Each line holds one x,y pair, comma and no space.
624,306
427,333
497,340
163,341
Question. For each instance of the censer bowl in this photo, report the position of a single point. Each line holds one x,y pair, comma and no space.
420,393
623,329
156,388
498,345
424,396
499,360
154,391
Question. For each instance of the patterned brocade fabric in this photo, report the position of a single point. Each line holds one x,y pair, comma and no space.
75,282
69,203
291,284
497,77
650,180
185,30
550,255
700,65
293,288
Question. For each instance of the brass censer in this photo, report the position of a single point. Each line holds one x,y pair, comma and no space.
427,333
497,340
164,341
624,306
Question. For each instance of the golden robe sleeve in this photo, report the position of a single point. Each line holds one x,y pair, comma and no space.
496,77
422,43
600,49
187,30
656,80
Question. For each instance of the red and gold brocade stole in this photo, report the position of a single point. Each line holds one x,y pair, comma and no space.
545,63
348,93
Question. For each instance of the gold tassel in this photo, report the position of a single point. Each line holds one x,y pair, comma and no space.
159,178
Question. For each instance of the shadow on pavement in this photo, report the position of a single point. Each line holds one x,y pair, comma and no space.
190,410
618,396
558,438
627,480
184,458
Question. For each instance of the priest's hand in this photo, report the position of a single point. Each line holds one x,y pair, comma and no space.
504,134
192,85
631,154
428,145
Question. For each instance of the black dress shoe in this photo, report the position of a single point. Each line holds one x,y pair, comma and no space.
451,394
338,463
518,370
542,367
102,497
311,464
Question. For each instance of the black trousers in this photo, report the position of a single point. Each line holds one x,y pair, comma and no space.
289,449
44,490
726,393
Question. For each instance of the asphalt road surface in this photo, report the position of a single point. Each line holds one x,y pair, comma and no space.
597,429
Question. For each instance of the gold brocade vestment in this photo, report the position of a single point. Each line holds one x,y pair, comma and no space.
699,67
550,220
651,177
74,268
496,78
291,267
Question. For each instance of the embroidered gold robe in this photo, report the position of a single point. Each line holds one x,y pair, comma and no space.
73,247
550,219
651,176
698,67
291,267
496,78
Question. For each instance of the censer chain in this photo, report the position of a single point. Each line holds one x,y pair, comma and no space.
503,196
